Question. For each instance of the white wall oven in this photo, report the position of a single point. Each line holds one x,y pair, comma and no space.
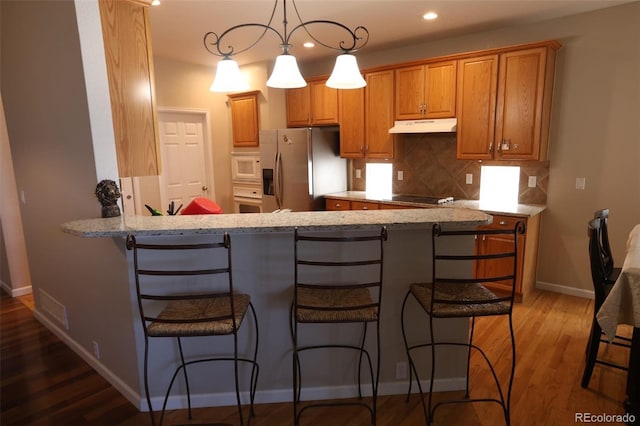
247,184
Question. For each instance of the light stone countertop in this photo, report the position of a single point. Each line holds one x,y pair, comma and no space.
522,210
273,222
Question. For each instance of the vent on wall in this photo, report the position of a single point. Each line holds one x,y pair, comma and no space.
55,309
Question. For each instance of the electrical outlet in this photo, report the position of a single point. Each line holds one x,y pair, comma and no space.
400,175
401,370
96,350
469,179
533,181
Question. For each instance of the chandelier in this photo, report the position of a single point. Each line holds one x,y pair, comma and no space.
286,74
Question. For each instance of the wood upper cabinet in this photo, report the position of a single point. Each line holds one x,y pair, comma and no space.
523,110
426,91
504,104
245,118
352,130
477,88
379,114
127,43
312,105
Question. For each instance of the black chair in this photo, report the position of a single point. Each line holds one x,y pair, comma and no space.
600,275
331,290
611,272
457,291
186,290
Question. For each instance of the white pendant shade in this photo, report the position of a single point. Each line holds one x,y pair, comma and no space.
346,74
286,74
228,77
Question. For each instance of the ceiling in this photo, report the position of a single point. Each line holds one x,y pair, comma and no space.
178,26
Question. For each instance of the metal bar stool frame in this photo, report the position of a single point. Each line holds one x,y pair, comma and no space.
477,302
169,323
364,311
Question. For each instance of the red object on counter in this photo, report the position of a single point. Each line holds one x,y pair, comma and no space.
201,205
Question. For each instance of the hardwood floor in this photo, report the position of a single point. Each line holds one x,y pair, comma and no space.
45,383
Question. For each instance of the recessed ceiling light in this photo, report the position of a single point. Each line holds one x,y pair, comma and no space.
155,3
429,16
308,44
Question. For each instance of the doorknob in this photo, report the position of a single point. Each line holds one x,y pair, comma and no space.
205,188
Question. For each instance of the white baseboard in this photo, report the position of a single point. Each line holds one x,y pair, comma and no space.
571,291
308,394
129,393
15,292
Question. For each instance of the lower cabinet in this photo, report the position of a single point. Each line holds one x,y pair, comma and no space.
527,254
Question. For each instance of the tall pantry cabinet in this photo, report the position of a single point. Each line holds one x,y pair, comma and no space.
127,44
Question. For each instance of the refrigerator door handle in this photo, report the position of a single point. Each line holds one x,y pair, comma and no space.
277,184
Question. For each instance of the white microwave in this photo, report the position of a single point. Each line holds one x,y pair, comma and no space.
245,166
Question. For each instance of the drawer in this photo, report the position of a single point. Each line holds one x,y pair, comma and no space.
334,204
364,205
505,222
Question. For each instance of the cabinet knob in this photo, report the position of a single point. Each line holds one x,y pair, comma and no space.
205,188
502,222
338,205
365,208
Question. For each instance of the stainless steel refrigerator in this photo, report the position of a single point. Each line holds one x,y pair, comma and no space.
299,166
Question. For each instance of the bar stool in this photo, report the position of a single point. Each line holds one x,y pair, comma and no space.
186,290
331,290
457,290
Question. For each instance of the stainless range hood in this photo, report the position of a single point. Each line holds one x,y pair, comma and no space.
442,125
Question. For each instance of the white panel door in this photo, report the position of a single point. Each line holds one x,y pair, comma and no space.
184,158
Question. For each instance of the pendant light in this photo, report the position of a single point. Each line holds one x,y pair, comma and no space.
286,74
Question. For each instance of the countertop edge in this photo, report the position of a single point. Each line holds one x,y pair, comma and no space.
272,222
520,210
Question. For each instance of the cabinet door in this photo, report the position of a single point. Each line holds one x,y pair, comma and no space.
379,114
352,133
409,93
477,83
245,119
440,90
501,243
426,91
127,43
324,104
521,89
298,104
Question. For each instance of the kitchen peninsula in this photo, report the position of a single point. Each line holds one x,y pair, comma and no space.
262,249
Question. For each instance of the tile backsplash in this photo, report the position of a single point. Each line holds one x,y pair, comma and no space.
429,167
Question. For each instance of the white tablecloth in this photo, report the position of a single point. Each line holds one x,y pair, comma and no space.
622,306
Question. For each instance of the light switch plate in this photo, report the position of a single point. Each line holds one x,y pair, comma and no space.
533,181
580,183
358,173
469,179
400,175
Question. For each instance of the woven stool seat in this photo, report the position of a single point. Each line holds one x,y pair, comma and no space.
197,317
335,305
474,294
